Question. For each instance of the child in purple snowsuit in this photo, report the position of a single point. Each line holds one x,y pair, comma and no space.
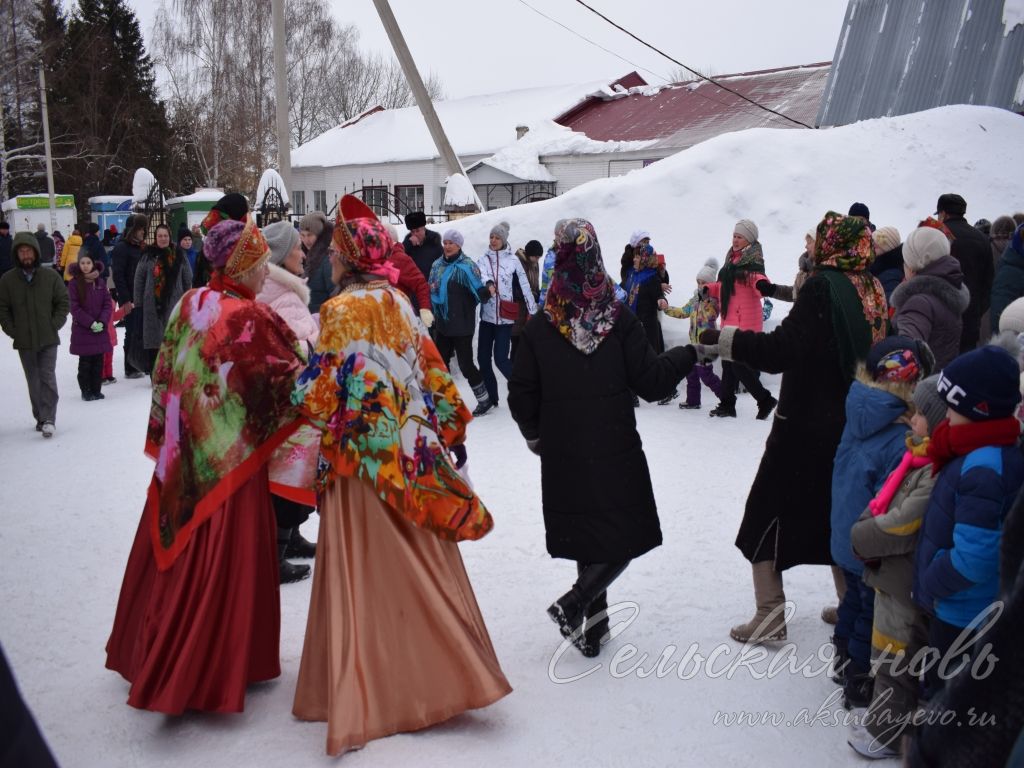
703,312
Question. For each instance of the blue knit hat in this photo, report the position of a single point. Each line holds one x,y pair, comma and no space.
982,384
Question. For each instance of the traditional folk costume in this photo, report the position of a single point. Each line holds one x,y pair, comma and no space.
395,640
199,615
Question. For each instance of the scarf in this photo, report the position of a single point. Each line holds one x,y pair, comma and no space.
165,272
915,458
463,271
949,442
581,301
751,260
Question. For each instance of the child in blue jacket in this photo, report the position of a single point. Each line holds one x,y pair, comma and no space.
878,411
980,470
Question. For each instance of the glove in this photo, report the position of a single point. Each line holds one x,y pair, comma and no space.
427,317
460,454
766,310
765,288
97,327
709,336
534,445
706,353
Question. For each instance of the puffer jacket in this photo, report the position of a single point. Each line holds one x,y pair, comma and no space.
97,307
1009,280
32,310
744,310
69,255
703,314
930,307
872,444
501,268
288,295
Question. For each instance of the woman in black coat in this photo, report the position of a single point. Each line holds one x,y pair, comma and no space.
839,312
570,393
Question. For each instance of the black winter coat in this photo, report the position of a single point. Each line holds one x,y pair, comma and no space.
888,268
789,503
125,260
425,254
6,254
972,250
1008,285
461,319
596,488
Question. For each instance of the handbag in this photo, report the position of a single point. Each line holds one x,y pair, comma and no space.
507,310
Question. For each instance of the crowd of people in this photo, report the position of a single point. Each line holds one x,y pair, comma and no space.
306,367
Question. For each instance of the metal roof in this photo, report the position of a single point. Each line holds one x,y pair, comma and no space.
683,114
894,57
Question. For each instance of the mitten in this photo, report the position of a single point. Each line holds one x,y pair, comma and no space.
710,336
534,445
765,288
427,317
97,327
766,310
460,454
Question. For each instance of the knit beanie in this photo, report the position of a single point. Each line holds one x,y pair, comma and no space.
929,402
984,226
453,236
746,229
534,248
93,228
500,230
282,237
183,232
923,246
900,358
885,239
982,384
637,236
415,220
1012,318
313,222
859,209
708,272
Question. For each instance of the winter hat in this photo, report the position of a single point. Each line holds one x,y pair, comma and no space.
885,239
415,220
183,232
1003,227
859,209
1012,318
501,231
313,222
281,238
40,227
708,272
25,238
984,226
923,246
899,358
951,205
453,236
534,248
982,384
746,229
1017,242
232,207
5,226
929,402
637,236
235,247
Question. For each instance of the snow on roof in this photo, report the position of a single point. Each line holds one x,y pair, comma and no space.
203,195
458,191
109,199
271,178
476,125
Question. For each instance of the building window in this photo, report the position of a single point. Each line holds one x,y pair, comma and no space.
651,161
320,200
410,199
299,203
377,199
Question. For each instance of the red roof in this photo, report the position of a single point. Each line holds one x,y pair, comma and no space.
683,114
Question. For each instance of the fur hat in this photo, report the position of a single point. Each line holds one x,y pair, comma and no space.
886,239
900,358
534,248
281,238
637,236
235,247
500,230
982,384
929,402
453,236
1012,318
923,246
859,209
708,272
746,229
415,220
313,222
951,205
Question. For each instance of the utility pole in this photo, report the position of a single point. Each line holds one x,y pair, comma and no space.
284,146
419,92
46,143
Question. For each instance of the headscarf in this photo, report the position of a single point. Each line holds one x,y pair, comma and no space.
365,246
581,301
236,248
637,277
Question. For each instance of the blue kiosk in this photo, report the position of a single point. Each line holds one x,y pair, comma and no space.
110,209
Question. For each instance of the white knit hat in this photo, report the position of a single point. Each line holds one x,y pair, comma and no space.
708,272
637,236
885,239
923,246
1012,318
746,229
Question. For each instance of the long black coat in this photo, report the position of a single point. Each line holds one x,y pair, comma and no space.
597,496
790,499
426,253
972,250
125,260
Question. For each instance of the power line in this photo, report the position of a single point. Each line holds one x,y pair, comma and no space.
688,69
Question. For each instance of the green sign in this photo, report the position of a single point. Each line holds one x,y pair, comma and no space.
43,201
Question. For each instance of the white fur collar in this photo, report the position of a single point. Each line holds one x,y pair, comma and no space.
294,283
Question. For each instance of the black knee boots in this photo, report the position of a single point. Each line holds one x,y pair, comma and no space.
587,599
289,571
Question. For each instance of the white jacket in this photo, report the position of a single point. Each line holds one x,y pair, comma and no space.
501,268
288,295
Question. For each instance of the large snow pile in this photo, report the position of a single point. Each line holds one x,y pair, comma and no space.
71,507
142,183
458,191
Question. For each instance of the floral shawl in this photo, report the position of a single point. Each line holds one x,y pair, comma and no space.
165,273
581,301
222,389
389,411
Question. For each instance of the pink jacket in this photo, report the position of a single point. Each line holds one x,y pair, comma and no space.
288,295
744,310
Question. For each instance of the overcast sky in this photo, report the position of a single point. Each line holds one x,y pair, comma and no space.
487,46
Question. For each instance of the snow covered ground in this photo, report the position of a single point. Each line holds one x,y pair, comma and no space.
70,507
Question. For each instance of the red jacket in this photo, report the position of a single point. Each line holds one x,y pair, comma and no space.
410,279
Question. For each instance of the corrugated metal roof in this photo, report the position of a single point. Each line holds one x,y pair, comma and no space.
895,57
684,114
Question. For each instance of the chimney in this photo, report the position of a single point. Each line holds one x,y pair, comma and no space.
521,130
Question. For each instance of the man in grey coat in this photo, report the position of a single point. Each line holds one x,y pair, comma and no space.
33,307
